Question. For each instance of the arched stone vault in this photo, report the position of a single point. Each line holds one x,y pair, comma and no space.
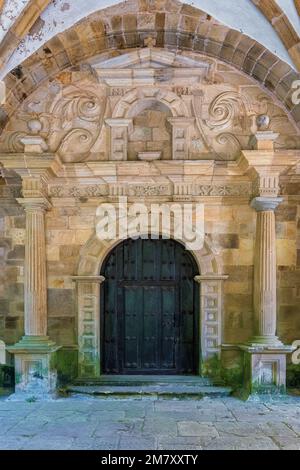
108,33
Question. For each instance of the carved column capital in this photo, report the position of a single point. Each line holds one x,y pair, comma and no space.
264,140
35,204
264,168
261,204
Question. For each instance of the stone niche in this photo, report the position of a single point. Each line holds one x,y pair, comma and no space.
151,131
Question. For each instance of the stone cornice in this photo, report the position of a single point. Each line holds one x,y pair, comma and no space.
32,165
267,159
264,167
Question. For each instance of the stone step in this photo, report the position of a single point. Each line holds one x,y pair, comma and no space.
155,387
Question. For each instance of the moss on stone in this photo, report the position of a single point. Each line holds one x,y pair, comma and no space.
220,374
7,377
66,365
293,376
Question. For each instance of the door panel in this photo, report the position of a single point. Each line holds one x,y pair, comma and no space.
149,303
150,334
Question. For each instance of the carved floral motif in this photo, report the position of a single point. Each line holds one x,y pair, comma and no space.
148,190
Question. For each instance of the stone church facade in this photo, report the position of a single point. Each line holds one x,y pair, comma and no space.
158,103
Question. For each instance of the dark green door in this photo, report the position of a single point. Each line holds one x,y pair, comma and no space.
149,317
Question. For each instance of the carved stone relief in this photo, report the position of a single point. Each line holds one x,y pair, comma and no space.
218,105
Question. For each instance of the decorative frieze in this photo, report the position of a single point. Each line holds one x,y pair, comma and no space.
94,190
150,190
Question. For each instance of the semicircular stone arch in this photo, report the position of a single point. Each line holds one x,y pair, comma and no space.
95,251
99,33
130,103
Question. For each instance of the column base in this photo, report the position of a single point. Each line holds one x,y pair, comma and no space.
35,368
265,342
265,368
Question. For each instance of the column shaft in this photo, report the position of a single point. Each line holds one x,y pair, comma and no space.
265,271
35,273
265,275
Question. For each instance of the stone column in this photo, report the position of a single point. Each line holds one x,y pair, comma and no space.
265,354
35,286
265,271
34,353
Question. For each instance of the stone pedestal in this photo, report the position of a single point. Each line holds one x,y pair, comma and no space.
35,367
35,352
265,354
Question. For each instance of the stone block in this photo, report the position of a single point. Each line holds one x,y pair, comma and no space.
62,330
57,223
60,282
141,134
61,303
52,253
67,268
61,237
228,240
19,221
286,252
69,253
160,134
286,213
81,222
82,236
238,287
18,253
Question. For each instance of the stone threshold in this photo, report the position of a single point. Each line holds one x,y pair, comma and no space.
143,386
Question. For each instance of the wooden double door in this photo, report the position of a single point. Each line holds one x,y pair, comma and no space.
150,309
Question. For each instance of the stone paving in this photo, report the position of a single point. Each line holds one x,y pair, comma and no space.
108,424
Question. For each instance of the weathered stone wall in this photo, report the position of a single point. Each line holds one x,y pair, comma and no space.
12,232
231,228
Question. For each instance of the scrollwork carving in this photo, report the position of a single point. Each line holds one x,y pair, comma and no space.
78,119
228,108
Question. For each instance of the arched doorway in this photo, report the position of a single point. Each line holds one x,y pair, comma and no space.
149,309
